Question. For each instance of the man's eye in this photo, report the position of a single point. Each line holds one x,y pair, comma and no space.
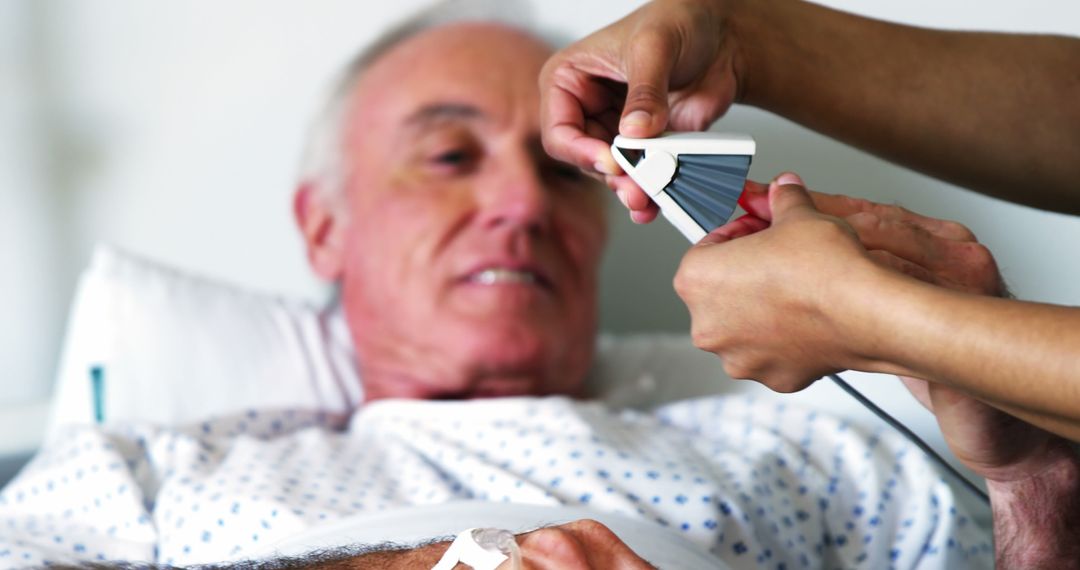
452,162
452,158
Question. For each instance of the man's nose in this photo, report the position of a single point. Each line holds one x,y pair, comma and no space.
517,199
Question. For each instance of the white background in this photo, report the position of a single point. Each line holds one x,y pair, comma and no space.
173,129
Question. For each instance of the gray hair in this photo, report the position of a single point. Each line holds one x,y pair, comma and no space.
324,163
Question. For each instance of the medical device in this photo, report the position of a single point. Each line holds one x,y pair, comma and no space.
697,179
481,549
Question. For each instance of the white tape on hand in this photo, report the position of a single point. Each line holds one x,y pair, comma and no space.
466,550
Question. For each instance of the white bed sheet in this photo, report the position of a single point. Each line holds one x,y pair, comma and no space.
753,482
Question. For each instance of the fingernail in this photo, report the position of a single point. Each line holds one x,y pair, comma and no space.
789,178
639,118
605,164
638,217
622,197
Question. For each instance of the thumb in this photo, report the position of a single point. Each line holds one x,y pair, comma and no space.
788,197
648,63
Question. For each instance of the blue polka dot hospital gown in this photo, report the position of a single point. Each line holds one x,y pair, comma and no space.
758,484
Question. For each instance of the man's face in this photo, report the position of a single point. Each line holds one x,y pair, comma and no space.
470,256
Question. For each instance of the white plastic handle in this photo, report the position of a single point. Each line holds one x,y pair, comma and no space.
652,173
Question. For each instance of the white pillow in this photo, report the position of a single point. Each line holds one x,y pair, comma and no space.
174,348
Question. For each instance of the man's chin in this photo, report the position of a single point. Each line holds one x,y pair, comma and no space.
508,359
504,342
464,356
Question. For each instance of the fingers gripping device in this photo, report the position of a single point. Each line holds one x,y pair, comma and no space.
695,178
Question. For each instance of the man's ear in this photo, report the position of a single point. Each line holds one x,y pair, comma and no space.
323,229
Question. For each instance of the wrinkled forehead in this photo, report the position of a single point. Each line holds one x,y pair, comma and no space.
490,68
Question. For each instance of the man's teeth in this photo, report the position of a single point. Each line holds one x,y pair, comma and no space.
494,276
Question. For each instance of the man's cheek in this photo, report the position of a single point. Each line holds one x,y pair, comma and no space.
585,224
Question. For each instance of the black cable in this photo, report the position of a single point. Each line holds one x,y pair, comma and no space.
910,435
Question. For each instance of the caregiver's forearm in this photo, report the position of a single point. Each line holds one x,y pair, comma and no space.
1021,357
994,112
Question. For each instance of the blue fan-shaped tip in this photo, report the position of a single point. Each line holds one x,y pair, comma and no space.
707,186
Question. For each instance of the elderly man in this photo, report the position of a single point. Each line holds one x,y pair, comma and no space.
467,257
467,260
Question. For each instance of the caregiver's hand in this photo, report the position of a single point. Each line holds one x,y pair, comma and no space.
826,273
672,64
772,302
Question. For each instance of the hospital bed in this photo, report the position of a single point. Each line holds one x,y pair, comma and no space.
217,350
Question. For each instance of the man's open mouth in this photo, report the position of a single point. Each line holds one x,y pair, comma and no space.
508,276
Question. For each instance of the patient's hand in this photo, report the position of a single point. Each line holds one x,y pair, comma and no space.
771,302
1032,474
578,545
937,251
990,442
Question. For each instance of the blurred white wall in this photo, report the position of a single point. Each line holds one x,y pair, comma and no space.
173,128
32,297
